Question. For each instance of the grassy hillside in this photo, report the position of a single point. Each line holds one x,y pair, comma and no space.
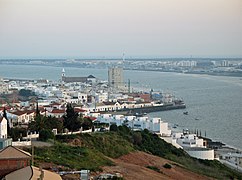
71,157
90,151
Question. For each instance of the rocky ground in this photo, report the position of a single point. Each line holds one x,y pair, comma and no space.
134,166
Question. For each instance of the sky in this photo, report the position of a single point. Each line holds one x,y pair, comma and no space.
107,28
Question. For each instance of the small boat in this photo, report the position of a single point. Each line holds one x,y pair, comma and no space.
175,126
196,119
186,113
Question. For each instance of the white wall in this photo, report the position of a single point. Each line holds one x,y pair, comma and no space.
203,154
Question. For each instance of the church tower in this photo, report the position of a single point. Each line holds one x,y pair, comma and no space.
63,73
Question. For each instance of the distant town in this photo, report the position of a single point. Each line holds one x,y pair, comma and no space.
211,66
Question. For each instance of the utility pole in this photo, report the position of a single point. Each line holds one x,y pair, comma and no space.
32,153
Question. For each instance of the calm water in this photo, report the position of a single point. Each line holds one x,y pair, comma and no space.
215,101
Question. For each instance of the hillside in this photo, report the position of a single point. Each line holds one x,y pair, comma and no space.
120,151
138,165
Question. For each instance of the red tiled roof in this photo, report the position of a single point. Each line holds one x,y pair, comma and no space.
58,111
19,113
79,110
55,104
90,117
11,152
30,111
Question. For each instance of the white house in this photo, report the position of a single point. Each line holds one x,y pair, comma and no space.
189,140
58,113
193,145
82,97
18,116
4,141
21,117
102,97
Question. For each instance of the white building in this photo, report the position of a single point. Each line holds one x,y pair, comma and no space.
225,63
187,63
21,117
155,125
3,87
201,153
102,97
4,140
82,97
188,140
58,113
193,145
3,128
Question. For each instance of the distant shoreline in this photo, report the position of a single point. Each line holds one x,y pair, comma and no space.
224,73
228,74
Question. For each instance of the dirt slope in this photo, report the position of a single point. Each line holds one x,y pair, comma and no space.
134,166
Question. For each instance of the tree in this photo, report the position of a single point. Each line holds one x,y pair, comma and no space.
87,124
26,93
71,119
37,111
113,127
37,124
53,123
17,133
48,123
137,137
45,134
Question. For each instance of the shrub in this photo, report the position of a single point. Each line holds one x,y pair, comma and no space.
45,134
167,166
137,137
154,168
113,127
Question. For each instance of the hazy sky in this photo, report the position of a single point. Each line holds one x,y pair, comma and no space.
98,28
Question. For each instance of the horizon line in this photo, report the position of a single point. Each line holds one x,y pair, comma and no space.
118,58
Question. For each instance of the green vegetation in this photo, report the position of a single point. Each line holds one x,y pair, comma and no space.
109,144
154,168
114,127
167,166
72,157
45,134
152,143
17,133
71,120
47,123
26,93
